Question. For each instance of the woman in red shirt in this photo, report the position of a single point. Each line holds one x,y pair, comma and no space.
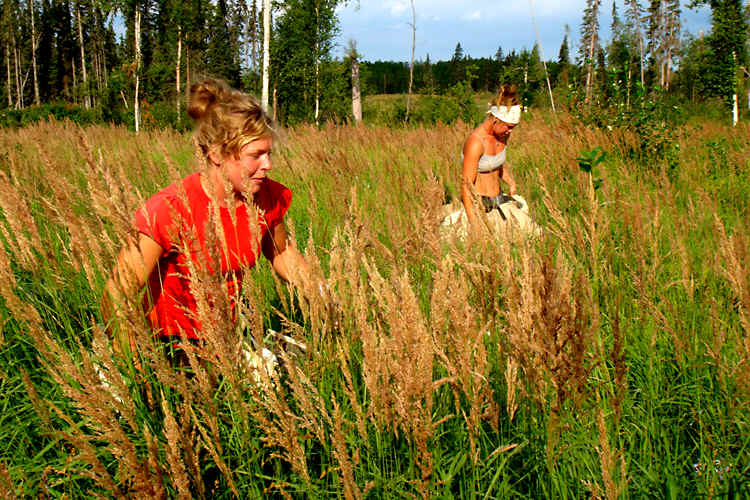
217,220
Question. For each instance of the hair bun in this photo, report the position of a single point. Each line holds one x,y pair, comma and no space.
507,96
204,95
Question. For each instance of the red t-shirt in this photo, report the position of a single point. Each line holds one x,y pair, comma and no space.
182,220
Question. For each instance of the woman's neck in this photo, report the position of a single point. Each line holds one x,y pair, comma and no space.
218,188
486,127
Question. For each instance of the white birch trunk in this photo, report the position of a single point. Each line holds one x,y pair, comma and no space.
187,73
266,55
104,58
97,71
75,79
356,93
640,44
627,99
33,52
254,35
735,110
643,75
177,71
317,66
86,99
411,64
247,36
137,40
8,86
19,87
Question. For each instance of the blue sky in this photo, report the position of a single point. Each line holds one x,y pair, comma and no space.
382,28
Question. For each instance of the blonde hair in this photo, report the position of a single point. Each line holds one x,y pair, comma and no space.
226,119
507,95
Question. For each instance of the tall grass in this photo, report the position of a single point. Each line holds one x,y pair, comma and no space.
607,357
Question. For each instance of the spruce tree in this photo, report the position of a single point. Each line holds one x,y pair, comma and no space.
563,57
458,53
728,42
222,58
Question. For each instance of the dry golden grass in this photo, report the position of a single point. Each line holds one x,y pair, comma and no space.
416,337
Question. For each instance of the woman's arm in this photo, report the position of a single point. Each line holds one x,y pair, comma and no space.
285,259
472,153
507,177
134,265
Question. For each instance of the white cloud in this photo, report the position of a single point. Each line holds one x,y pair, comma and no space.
479,25
397,7
473,16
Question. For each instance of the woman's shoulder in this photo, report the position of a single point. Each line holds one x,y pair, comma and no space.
473,143
273,194
179,196
162,215
274,199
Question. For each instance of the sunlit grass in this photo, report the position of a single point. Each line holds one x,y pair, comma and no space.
608,357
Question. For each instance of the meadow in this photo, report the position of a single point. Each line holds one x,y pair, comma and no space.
608,357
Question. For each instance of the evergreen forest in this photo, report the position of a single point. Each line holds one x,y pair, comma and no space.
133,61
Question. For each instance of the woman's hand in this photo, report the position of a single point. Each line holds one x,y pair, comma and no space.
472,152
507,177
285,259
134,265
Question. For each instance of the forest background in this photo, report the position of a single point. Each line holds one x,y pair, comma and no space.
604,357
79,59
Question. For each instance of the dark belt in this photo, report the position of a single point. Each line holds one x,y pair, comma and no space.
493,202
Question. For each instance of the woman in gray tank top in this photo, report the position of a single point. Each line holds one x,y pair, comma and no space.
484,155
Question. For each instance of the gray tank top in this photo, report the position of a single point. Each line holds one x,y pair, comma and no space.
489,163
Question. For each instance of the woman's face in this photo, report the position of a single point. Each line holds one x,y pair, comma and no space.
502,130
246,170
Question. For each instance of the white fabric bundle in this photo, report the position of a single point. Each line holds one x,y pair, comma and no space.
508,114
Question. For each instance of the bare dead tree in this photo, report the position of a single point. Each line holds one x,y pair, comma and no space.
356,88
411,64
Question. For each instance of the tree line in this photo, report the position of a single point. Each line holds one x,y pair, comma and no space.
131,61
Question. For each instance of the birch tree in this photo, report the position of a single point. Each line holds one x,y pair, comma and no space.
34,43
136,71
7,23
633,15
266,52
663,36
413,25
303,40
177,71
590,41
82,44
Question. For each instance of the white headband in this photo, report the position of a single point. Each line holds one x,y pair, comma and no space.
508,114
